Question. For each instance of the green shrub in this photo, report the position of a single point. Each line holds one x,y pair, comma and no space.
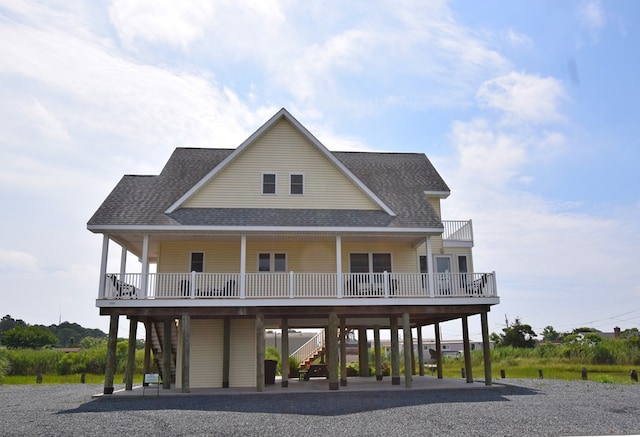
4,366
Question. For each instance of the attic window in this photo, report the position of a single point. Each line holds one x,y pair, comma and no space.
268,183
296,184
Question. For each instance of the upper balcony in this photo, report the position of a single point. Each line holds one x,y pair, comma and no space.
457,233
296,289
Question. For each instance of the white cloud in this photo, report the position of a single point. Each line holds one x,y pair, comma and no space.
178,23
518,40
15,261
523,98
592,15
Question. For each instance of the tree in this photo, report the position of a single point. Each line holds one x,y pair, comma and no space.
9,322
518,335
28,337
550,334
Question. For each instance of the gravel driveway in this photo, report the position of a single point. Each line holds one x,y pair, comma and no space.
523,407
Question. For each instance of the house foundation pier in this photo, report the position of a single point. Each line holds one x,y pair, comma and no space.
110,365
131,353
395,352
467,349
486,348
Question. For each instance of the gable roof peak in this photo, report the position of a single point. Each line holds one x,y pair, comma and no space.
281,114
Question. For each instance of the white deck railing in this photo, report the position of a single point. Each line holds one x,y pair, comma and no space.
457,230
299,285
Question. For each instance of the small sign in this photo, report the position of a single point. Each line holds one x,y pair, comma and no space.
151,378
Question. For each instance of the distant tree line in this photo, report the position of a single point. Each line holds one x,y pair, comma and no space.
16,334
584,344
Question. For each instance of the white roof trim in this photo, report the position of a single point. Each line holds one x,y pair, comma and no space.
439,194
283,113
248,229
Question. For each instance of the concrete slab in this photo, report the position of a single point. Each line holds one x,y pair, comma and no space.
354,384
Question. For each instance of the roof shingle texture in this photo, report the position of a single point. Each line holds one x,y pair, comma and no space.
398,179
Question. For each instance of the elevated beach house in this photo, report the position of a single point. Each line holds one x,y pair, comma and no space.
282,233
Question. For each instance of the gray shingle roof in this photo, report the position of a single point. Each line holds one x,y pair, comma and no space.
398,179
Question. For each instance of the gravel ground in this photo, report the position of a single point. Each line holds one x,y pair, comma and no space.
522,407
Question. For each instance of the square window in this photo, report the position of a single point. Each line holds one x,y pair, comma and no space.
359,262
269,183
264,262
381,262
279,262
296,184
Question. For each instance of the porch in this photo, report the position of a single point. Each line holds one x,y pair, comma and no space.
263,286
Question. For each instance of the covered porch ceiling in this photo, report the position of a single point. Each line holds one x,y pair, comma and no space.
133,240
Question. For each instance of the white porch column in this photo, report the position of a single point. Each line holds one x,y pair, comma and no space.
123,263
103,266
339,266
432,286
243,264
145,265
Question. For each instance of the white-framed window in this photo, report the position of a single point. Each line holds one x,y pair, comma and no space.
367,262
272,262
196,262
296,183
269,183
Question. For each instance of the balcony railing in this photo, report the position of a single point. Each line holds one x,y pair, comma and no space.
293,285
457,230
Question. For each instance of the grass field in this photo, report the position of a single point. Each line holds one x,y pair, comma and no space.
529,369
66,379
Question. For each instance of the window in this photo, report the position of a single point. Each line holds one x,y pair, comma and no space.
268,183
423,264
272,262
370,262
197,262
296,184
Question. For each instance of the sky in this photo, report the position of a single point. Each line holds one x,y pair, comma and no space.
528,109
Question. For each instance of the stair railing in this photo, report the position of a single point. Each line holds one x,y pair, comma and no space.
309,349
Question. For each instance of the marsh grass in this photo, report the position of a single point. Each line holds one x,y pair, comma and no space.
528,368
66,379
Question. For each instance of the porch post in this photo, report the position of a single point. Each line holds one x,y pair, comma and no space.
343,352
467,349
438,349
363,348
103,266
166,353
284,354
420,352
339,291
430,281
131,353
376,348
413,353
243,265
145,265
226,352
147,347
486,348
185,332
110,365
408,347
123,263
259,352
395,352
332,347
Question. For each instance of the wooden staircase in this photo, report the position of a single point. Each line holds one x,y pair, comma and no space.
157,341
311,350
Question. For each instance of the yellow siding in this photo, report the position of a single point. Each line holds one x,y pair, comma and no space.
205,359
242,372
402,255
281,150
301,256
221,257
436,246
435,203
